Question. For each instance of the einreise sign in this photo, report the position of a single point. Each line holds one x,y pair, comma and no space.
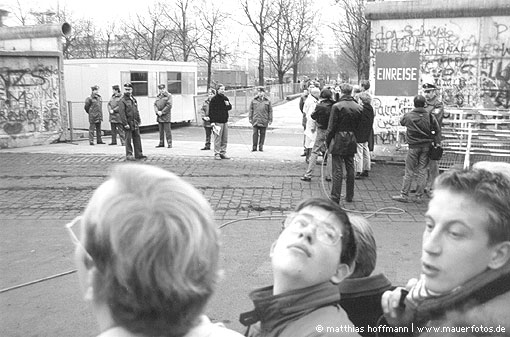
397,74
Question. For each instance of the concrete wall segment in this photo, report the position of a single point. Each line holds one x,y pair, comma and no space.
424,9
467,57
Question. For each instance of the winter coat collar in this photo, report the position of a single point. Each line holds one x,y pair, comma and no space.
364,286
346,98
275,310
480,289
420,110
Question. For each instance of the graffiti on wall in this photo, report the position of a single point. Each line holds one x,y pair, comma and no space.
471,66
388,111
29,100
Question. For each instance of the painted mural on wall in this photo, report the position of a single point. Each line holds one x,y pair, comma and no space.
467,58
29,97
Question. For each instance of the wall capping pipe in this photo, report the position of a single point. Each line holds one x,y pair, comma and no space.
37,31
426,9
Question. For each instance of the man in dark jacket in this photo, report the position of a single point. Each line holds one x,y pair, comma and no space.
343,121
363,133
218,114
94,108
321,117
163,109
115,122
422,129
130,117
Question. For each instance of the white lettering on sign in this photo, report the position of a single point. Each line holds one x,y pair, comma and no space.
397,74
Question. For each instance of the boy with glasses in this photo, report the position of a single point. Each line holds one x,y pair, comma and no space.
314,252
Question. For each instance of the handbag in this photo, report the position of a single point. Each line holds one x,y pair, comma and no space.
345,143
435,152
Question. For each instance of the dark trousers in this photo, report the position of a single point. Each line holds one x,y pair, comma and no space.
117,128
259,130
133,135
336,189
97,127
208,132
164,128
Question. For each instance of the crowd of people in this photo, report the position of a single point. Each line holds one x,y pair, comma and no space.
147,255
147,248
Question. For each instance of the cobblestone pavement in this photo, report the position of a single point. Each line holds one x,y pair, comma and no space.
39,192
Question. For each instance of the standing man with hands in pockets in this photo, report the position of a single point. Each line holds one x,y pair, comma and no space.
163,109
130,117
218,114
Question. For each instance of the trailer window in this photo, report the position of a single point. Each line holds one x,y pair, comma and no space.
139,79
174,82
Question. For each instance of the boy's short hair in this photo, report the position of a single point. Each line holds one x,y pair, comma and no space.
346,88
419,101
365,97
491,189
348,253
219,86
366,255
326,93
155,247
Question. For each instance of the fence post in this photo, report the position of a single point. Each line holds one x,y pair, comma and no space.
70,116
468,148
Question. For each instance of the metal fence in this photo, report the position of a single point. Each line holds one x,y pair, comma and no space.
473,135
241,98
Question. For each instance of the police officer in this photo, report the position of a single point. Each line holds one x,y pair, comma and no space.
163,109
130,118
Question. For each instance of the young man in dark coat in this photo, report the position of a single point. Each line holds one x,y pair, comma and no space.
218,115
343,121
419,124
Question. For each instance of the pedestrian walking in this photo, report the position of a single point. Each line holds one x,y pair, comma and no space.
163,110
321,118
218,114
260,116
115,122
420,125
302,100
130,117
311,126
94,108
205,118
341,141
363,133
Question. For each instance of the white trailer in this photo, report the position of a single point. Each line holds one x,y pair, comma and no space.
179,77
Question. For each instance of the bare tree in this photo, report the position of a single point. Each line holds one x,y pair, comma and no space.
185,31
278,47
22,14
209,47
261,20
302,30
353,34
147,37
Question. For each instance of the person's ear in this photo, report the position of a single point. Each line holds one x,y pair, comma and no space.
343,271
90,278
271,250
500,255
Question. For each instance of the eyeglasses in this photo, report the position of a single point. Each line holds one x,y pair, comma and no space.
325,232
72,234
